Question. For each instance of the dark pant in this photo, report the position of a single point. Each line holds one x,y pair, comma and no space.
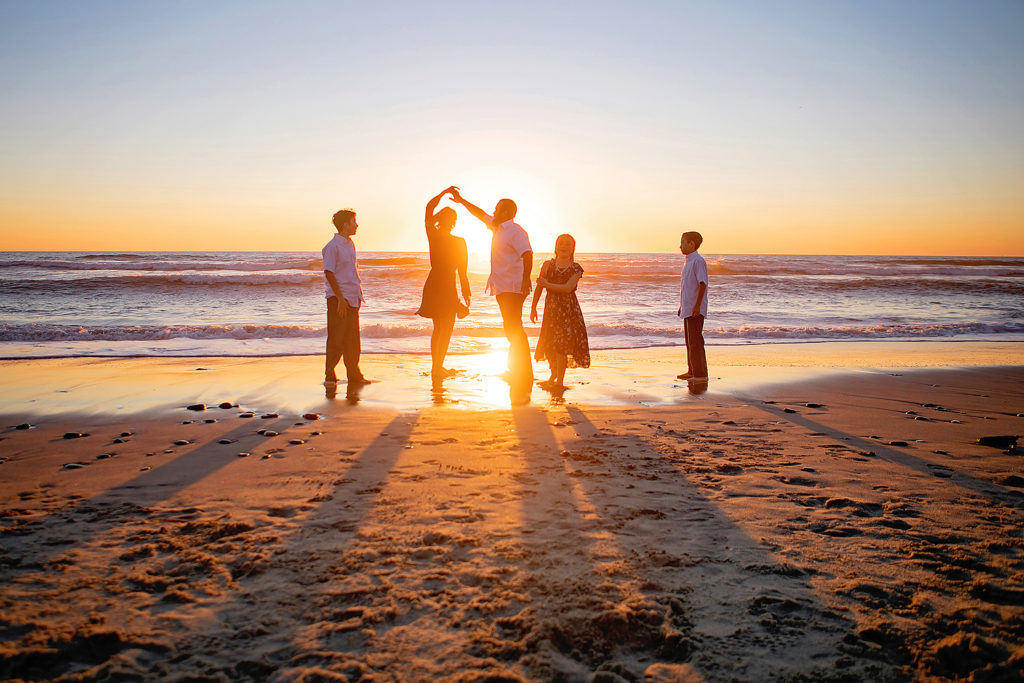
342,341
511,306
693,329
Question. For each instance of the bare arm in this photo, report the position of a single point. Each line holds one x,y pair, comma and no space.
473,208
541,283
463,276
527,272
428,219
566,288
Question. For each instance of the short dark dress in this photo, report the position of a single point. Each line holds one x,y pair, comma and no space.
447,255
563,328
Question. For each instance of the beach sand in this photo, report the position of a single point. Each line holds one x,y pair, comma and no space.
820,512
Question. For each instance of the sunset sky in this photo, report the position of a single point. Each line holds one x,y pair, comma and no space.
771,127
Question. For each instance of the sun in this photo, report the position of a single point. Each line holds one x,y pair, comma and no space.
538,208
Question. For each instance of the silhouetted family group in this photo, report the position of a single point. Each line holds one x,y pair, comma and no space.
563,338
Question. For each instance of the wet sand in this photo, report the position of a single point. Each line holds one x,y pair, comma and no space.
804,518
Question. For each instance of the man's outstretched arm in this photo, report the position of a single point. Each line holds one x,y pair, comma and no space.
473,208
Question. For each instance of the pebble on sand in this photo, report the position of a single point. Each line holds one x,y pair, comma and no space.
249,414
226,441
197,406
788,410
24,425
814,405
210,421
145,468
226,405
181,442
104,456
269,432
310,416
125,434
74,435
296,442
898,443
244,454
269,416
72,466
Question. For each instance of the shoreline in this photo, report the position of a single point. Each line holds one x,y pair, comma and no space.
634,377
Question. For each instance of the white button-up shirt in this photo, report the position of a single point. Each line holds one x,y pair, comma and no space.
508,244
340,258
694,272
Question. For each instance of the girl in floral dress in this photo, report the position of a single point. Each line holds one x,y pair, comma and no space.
563,333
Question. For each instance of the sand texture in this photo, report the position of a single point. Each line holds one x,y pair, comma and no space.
845,529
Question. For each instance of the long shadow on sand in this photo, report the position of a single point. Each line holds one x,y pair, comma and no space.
992,491
130,500
646,571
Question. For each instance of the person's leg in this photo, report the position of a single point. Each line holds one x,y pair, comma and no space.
351,346
559,363
436,358
689,349
440,338
511,306
335,334
694,328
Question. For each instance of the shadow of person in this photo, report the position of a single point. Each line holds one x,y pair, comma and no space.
697,388
352,392
331,391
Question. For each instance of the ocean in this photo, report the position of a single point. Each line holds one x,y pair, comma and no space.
61,304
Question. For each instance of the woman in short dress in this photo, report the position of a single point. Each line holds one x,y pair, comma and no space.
441,303
563,333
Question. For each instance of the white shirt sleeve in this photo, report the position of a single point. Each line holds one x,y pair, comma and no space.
700,271
521,242
331,260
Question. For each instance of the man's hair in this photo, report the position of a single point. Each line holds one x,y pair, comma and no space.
343,217
693,237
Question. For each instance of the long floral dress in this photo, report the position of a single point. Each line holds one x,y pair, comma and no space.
563,328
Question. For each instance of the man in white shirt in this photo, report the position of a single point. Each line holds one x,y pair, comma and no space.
344,297
693,306
509,282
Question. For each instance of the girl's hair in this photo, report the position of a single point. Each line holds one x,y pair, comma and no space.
572,257
446,212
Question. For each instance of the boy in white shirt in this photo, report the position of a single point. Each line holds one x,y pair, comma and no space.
344,296
693,306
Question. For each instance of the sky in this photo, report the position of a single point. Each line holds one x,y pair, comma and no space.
812,127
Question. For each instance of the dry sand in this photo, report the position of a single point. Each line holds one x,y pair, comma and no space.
843,527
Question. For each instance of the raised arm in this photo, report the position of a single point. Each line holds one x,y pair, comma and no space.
473,208
428,219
